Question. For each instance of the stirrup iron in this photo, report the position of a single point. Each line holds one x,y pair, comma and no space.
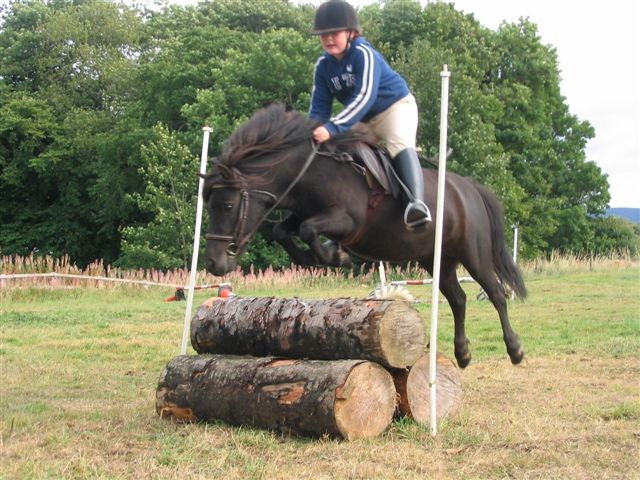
422,208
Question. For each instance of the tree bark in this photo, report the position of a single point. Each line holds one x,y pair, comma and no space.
343,398
388,332
412,386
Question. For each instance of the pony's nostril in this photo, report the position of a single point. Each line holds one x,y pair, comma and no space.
211,265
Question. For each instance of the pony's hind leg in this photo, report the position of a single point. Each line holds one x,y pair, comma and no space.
453,292
487,279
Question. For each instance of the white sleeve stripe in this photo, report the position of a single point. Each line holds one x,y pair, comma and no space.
365,92
313,89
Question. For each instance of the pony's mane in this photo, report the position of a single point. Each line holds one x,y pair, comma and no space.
269,130
247,152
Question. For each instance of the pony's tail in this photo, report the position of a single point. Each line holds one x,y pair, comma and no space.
504,266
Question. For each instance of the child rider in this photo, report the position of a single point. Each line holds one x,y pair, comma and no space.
358,76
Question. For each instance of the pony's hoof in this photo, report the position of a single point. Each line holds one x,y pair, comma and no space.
463,360
517,357
344,259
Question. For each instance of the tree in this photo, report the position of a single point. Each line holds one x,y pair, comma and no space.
460,42
241,86
545,143
27,130
66,66
399,24
614,236
256,16
165,239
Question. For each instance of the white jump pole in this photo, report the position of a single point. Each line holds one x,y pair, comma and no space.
196,241
442,167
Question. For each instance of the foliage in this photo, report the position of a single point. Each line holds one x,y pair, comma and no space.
102,105
241,86
168,200
65,80
263,253
613,235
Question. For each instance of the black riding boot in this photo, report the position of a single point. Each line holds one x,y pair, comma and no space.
408,168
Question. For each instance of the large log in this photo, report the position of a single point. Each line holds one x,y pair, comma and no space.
387,332
343,398
412,386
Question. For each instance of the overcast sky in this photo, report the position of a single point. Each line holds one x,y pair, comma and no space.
598,52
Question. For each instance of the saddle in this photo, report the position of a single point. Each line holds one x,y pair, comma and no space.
374,163
378,168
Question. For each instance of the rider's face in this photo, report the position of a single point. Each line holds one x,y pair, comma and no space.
335,43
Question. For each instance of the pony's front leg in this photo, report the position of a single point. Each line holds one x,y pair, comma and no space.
284,232
334,222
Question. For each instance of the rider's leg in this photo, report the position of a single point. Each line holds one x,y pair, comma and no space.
408,168
397,126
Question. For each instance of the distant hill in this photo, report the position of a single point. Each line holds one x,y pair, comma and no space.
631,214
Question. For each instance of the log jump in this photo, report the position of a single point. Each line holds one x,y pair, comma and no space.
342,367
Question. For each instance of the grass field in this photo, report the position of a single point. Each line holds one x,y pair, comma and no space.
80,367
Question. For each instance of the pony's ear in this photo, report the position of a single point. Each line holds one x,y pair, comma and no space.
202,175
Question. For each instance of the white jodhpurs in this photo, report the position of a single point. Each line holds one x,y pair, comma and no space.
397,125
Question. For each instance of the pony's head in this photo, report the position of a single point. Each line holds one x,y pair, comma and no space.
240,186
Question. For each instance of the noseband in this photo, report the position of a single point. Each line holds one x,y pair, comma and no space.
237,241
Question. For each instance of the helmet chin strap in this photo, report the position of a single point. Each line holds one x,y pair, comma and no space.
348,42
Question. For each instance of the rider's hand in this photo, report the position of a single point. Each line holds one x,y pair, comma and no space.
321,134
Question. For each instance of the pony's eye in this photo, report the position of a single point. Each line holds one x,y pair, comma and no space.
228,206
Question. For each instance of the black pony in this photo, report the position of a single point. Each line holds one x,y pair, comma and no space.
270,162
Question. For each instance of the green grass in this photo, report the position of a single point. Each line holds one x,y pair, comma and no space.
79,368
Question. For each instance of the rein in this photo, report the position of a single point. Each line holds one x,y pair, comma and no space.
238,240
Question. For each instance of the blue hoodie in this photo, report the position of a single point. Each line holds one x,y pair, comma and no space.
362,81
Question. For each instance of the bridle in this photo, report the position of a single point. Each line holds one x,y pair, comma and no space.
239,239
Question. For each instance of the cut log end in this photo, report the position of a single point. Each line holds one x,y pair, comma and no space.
365,404
413,389
401,335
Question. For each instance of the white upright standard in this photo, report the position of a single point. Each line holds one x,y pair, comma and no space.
196,241
442,168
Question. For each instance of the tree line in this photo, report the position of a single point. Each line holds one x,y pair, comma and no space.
102,106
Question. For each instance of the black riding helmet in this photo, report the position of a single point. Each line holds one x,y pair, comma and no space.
333,16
